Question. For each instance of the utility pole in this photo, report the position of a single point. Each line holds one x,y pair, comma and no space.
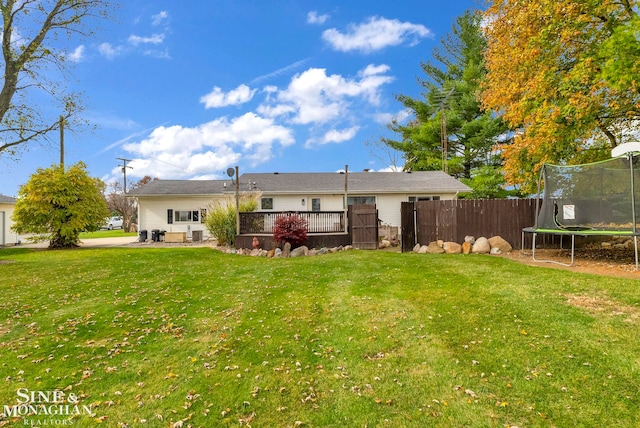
125,204
237,201
124,171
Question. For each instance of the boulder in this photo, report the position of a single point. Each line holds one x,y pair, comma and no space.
481,246
277,253
300,251
435,248
495,251
470,239
286,251
322,251
271,253
499,242
416,248
255,252
384,244
423,249
347,247
452,248
466,247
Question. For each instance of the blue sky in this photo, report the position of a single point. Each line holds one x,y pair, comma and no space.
278,85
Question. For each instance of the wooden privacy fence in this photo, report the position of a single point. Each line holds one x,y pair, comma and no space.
427,221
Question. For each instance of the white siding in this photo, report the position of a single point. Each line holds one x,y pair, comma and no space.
8,237
294,202
152,212
388,204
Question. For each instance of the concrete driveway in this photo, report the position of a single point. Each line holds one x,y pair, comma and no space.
96,242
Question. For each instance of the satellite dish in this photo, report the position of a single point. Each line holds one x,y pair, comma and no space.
230,172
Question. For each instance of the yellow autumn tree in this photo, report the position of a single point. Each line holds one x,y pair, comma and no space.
550,75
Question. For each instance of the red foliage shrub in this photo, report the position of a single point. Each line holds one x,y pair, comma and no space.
290,228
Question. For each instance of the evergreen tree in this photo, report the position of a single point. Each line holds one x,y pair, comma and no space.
450,103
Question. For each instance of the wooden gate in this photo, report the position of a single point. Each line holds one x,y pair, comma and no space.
363,226
408,223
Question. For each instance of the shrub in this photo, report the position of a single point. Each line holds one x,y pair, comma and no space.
221,217
221,222
291,228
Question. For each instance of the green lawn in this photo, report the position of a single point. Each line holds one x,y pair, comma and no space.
192,337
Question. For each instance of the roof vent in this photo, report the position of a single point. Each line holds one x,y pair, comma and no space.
276,173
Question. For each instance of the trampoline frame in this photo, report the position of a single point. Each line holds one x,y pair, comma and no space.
588,232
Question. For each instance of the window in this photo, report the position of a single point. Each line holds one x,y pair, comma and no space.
185,216
266,203
358,200
423,198
315,204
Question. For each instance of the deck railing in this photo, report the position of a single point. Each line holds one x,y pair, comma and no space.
262,222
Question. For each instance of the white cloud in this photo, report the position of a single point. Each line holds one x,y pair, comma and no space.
312,97
155,39
108,51
314,18
77,55
375,34
217,98
159,17
334,136
176,151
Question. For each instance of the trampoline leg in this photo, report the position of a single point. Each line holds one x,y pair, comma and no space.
533,252
635,245
573,247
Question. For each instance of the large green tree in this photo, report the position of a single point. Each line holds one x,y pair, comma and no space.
450,106
33,96
565,72
57,204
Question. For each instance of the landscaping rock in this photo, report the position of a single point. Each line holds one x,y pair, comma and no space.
322,251
255,252
347,247
423,249
384,244
435,248
495,251
300,251
277,253
271,253
416,248
470,239
452,248
481,246
499,242
286,252
466,247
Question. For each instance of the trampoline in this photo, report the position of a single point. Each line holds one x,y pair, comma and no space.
594,199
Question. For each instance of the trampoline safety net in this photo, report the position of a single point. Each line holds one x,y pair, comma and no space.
600,196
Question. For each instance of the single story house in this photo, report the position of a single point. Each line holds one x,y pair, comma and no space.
7,205
180,205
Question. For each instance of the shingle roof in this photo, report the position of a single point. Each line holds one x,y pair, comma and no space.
7,199
319,183
360,182
181,187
